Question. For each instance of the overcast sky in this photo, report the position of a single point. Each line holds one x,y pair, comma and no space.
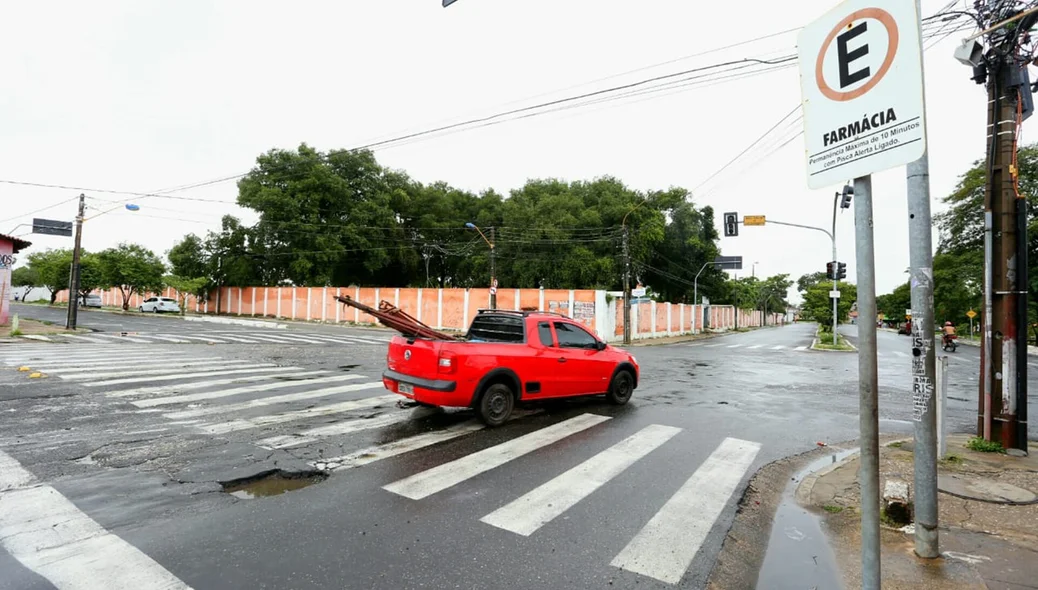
143,96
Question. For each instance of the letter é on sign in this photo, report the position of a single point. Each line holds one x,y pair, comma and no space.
846,57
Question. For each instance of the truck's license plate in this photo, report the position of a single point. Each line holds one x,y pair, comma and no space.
405,389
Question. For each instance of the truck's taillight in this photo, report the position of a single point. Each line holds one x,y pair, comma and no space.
446,363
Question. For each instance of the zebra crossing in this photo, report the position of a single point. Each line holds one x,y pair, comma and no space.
764,348
217,337
287,407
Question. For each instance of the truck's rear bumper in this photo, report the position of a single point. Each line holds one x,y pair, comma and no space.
437,392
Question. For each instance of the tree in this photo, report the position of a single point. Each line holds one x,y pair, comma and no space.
185,286
188,258
894,304
818,307
131,268
810,280
25,276
90,276
53,268
958,265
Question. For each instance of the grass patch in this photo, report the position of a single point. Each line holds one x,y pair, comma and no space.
47,322
953,460
897,444
977,443
832,509
825,341
15,333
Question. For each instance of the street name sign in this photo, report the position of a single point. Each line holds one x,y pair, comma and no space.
861,78
51,227
753,220
834,294
729,262
639,292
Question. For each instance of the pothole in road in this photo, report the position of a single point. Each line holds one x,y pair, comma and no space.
273,483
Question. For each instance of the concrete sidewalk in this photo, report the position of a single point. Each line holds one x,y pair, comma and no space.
988,515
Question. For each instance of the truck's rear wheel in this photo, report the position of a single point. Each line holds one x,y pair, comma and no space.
621,388
496,404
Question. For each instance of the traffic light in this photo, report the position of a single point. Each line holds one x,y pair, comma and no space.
731,224
841,271
829,270
847,194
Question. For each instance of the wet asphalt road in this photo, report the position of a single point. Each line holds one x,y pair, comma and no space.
144,462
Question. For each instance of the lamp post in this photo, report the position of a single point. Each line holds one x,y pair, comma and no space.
493,273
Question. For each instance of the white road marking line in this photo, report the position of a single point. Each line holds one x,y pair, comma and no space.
169,366
238,339
801,348
203,339
37,337
297,338
900,354
398,447
666,545
185,376
538,507
269,338
110,364
713,345
273,400
168,338
734,345
338,429
68,355
86,338
47,534
168,389
340,408
282,383
122,338
755,346
210,366
439,478
779,347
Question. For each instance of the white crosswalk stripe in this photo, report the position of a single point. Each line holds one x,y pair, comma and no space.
176,371
665,547
444,476
540,506
163,390
277,399
221,393
337,429
267,420
398,447
156,378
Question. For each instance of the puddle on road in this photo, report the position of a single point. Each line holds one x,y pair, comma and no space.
272,484
798,554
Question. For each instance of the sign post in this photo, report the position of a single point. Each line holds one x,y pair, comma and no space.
971,314
862,84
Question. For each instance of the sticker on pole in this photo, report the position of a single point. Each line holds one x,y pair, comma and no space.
861,77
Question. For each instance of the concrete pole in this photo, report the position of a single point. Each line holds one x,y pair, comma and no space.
73,287
627,288
868,385
924,375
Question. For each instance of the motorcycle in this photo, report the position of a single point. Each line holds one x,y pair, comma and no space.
949,342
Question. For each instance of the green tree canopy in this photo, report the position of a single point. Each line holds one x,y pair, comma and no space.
131,268
52,268
818,306
25,276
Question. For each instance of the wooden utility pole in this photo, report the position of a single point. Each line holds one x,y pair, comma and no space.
1001,414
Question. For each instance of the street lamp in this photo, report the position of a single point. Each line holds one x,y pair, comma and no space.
493,274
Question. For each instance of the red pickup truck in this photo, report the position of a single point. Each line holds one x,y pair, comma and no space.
508,357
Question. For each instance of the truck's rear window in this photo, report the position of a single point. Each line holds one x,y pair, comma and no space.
496,328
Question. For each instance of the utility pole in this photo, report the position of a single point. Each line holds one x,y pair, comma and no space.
836,276
73,287
493,272
627,288
1002,403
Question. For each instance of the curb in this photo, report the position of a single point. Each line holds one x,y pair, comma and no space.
803,491
236,322
815,343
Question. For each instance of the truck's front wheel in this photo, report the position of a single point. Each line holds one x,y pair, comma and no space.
496,404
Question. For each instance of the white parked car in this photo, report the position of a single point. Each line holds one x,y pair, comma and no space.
92,301
157,304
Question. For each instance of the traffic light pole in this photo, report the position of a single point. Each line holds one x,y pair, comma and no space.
836,273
